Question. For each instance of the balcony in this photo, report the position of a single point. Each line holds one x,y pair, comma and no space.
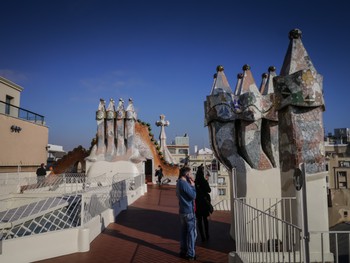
17,112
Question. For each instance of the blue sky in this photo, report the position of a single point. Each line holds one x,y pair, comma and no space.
68,54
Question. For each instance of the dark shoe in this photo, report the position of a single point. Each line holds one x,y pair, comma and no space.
191,258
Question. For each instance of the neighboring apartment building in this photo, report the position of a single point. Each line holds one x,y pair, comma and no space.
339,171
54,153
180,149
338,181
24,136
342,135
219,179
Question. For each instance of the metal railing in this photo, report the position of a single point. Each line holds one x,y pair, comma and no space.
261,235
60,183
17,112
279,207
48,214
339,245
63,201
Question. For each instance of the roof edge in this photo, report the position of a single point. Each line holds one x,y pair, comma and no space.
11,84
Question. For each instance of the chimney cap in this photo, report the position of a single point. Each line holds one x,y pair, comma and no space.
295,34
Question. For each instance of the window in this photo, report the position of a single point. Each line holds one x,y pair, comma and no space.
183,151
344,164
342,179
8,102
221,180
342,174
342,185
172,150
222,191
214,166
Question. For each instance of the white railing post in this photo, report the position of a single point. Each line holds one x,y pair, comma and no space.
305,225
82,212
64,183
235,210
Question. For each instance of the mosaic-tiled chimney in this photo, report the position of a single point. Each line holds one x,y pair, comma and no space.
269,126
115,133
220,117
243,134
100,116
110,117
300,105
238,121
119,128
130,119
249,127
264,137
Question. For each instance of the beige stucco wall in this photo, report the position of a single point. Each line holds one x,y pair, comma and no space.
333,168
340,205
26,148
11,89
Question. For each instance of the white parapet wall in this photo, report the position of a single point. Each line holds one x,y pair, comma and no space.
41,246
58,243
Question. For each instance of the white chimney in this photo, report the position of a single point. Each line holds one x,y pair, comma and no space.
195,149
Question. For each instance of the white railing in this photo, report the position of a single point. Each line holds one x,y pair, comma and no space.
221,205
278,207
262,235
339,244
48,214
66,201
58,183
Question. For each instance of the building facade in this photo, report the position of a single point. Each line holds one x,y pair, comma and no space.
338,180
54,153
24,135
219,179
180,149
342,135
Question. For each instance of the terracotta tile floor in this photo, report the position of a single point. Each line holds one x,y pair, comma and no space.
148,231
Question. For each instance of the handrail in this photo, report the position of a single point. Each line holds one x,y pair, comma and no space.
262,237
5,108
278,207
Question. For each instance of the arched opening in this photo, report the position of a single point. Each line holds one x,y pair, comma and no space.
79,167
148,170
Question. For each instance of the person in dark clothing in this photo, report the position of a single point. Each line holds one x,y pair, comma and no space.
159,174
40,173
202,203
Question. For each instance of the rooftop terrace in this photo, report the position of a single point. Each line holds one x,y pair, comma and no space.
149,231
